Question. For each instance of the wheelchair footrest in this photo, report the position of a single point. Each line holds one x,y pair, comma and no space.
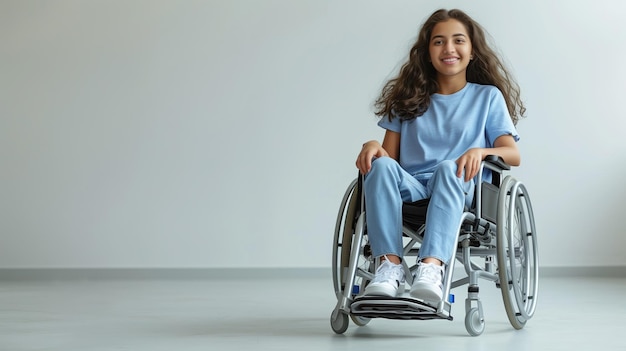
394,308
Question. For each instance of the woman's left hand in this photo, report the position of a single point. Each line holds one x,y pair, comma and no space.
470,162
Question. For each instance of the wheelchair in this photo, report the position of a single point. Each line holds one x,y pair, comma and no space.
496,241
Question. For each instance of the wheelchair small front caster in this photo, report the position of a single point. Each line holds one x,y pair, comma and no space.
339,321
474,322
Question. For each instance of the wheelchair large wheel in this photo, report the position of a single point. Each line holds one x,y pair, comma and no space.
349,212
517,252
344,229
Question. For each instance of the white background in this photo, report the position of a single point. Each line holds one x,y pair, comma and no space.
155,133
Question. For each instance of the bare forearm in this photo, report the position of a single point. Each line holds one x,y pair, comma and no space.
510,155
505,147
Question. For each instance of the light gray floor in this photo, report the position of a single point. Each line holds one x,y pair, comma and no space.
287,314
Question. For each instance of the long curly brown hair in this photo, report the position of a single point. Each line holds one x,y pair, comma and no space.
408,95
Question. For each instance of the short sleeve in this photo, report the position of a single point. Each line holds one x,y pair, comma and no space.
499,120
395,125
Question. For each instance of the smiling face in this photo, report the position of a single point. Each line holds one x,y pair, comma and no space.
450,51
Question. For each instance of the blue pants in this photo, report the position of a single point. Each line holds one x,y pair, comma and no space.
388,185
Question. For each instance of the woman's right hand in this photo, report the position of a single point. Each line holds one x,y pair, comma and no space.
370,150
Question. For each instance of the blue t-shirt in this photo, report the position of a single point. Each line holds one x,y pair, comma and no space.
475,116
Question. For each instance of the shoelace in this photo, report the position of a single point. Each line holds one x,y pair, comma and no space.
431,273
388,272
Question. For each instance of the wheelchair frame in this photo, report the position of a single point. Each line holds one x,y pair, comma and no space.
503,234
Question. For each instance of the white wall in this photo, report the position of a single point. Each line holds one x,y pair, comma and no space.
154,133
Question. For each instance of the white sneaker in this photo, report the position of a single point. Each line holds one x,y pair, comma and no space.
428,282
387,280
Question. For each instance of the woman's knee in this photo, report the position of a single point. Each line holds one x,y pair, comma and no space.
447,167
445,177
382,168
384,163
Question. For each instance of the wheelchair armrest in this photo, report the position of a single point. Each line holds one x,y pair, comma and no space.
498,162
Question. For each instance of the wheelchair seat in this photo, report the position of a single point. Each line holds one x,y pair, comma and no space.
414,213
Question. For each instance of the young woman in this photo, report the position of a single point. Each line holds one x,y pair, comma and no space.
452,104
